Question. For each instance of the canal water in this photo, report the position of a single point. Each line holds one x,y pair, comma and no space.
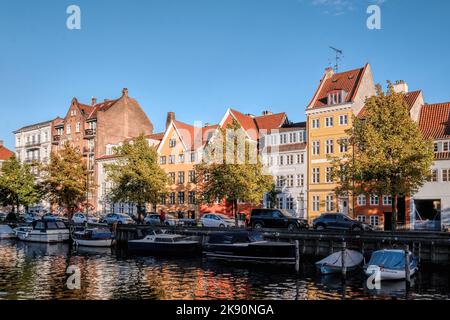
38,271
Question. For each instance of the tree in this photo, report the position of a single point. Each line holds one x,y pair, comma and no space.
65,178
389,154
232,170
18,185
137,176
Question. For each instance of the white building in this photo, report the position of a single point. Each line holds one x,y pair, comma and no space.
431,203
284,155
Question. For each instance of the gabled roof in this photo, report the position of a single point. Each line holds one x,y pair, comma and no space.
5,153
348,81
434,121
102,106
271,121
410,99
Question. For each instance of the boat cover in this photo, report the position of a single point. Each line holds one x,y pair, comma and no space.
5,229
389,259
352,258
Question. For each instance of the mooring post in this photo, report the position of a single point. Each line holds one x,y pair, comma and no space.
407,266
297,256
344,265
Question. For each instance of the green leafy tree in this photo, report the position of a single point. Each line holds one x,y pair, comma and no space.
137,176
232,170
66,179
18,185
389,154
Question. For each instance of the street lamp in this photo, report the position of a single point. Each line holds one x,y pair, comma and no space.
301,202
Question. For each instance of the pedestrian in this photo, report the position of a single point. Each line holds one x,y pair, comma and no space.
162,216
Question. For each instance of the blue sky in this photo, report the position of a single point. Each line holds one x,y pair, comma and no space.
199,57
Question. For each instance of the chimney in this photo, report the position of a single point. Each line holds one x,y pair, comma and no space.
267,113
125,92
329,72
94,101
400,86
170,118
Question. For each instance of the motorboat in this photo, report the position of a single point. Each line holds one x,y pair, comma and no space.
159,243
48,231
389,264
248,247
6,232
93,237
333,263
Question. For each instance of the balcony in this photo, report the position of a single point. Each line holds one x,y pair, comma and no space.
56,139
89,133
32,160
33,144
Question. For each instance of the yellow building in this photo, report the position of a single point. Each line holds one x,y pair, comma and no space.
338,97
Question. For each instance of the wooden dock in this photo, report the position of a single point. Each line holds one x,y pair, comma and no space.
429,247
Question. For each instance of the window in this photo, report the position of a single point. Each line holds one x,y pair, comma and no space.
328,122
290,203
181,197
172,159
315,123
387,200
329,147
172,177
434,175
316,175
162,199
290,159
192,156
315,147
316,203
343,145
361,200
374,201
77,127
362,219
300,158
290,181
329,203
293,137
300,180
445,175
68,129
280,202
280,160
280,181
191,177
343,119
283,138
180,177
172,198
172,143
162,160
374,220
328,177
445,146
191,197
436,147
181,158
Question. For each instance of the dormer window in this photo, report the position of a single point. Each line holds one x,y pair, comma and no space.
336,97
172,143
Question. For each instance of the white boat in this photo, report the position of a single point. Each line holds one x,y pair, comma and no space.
44,231
333,263
93,237
6,232
389,264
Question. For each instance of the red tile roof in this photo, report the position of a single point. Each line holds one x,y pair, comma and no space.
410,99
445,155
348,81
271,121
156,136
5,153
102,106
434,121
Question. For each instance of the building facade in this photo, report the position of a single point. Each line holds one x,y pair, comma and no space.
284,155
431,204
337,99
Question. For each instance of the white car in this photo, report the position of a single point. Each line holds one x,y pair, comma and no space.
81,218
217,220
120,218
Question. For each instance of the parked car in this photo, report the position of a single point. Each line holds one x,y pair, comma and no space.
216,220
171,220
120,218
3,216
338,221
152,218
80,217
276,218
51,216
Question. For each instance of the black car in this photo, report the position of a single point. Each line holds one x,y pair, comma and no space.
276,218
338,221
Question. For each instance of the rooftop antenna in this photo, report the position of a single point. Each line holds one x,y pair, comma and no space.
339,55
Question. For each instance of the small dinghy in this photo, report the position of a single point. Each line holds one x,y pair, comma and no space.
93,237
6,232
333,263
390,263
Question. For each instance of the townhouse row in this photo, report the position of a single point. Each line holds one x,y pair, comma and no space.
296,154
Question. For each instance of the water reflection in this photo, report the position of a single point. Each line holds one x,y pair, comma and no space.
38,271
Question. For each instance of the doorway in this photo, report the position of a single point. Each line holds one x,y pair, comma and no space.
388,221
343,205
